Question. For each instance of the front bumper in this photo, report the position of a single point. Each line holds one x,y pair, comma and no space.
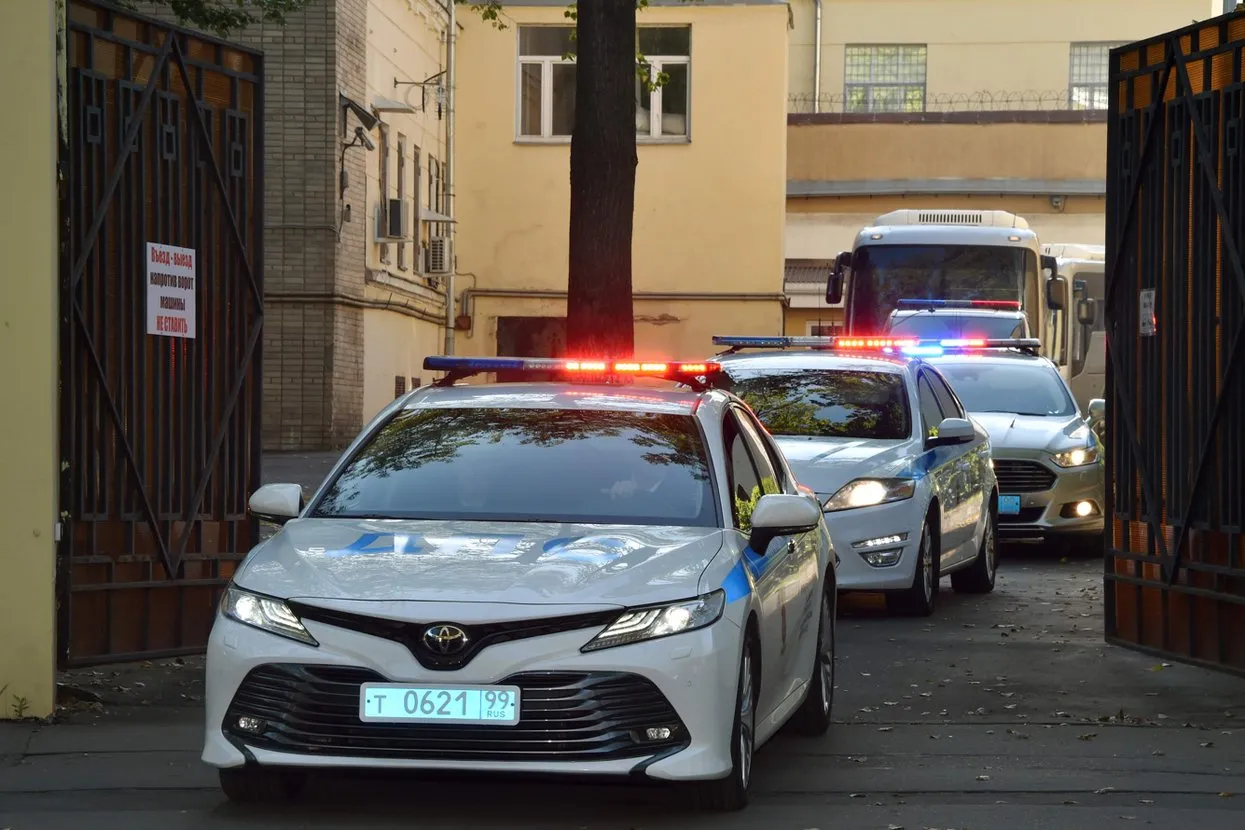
580,714
850,528
1045,492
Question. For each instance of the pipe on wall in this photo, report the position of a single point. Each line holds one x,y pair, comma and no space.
817,56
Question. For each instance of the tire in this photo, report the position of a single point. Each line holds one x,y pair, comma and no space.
261,785
921,597
730,794
813,717
979,577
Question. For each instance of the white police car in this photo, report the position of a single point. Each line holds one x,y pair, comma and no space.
902,472
578,577
938,319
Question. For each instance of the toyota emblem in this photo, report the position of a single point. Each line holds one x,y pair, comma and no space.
444,638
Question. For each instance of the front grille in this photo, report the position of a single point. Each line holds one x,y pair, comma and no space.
563,716
1022,476
478,637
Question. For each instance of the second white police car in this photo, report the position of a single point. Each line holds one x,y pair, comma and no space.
903,473
571,577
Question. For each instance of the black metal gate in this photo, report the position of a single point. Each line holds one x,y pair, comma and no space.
159,434
1175,310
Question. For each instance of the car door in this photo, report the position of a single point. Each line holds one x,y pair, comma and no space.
939,463
968,480
798,572
745,478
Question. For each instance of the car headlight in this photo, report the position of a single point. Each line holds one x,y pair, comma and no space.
867,492
1078,457
637,624
267,613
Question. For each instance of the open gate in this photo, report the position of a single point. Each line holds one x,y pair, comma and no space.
159,434
1175,310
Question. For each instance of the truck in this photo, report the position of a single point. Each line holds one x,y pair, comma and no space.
990,257
1174,308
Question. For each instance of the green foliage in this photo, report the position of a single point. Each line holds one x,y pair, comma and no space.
745,507
224,17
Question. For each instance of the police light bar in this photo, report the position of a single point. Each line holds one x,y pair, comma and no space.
996,305
911,346
457,368
735,343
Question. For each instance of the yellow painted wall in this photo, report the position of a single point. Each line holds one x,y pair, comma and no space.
709,212
405,42
28,359
833,152
975,45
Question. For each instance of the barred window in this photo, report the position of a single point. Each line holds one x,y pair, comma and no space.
1088,67
884,78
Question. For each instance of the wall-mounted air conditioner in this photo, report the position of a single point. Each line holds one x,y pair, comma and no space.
440,256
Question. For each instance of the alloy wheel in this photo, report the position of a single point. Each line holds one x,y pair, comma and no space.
746,721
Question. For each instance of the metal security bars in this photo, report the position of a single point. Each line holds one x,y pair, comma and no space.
159,434
1175,312
884,78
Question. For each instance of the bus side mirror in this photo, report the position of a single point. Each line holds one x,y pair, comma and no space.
1056,290
834,283
1086,313
1049,263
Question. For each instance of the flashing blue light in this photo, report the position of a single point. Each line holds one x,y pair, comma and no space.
446,363
922,351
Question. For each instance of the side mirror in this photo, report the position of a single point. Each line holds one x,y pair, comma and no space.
834,283
1086,312
781,515
1097,409
1050,263
277,503
953,431
1056,290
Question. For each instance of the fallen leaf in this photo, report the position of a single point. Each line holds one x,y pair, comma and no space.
1088,736
1147,801
1226,795
983,778
1207,744
1104,790
885,728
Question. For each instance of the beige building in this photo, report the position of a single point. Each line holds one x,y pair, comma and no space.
709,189
991,104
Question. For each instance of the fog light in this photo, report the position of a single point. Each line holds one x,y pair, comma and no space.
881,558
658,733
246,723
882,541
1079,510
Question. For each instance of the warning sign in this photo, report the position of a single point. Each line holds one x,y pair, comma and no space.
171,279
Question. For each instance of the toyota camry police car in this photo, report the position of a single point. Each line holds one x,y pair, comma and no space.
579,577
902,472
1049,463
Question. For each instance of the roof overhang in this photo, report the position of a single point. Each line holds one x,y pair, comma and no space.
808,189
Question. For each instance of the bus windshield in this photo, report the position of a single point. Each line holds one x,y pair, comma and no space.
884,274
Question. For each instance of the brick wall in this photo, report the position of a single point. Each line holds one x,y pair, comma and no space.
313,341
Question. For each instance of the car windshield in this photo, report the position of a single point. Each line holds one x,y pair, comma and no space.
531,465
956,325
826,403
1017,388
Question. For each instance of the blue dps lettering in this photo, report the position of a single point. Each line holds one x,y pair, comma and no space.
596,550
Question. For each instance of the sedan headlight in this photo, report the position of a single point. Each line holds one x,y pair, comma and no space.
267,613
638,624
1078,457
867,492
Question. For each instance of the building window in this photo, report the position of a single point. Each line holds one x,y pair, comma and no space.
383,160
884,79
1088,67
546,81
822,328
417,226
402,196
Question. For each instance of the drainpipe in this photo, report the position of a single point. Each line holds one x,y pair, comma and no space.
451,80
817,58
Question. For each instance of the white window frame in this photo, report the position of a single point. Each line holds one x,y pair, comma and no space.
875,82
546,63
1091,87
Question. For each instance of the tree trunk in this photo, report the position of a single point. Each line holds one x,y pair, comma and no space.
599,319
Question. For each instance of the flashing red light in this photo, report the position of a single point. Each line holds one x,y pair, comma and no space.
874,342
1008,304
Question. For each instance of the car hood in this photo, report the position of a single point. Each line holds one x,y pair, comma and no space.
1053,433
479,562
826,464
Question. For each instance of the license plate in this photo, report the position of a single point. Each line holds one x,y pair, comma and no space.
1009,505
401,703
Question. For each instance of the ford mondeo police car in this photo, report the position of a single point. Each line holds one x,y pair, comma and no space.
902,472
578,577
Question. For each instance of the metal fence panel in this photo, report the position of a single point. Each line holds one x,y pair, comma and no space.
1175,569
159,435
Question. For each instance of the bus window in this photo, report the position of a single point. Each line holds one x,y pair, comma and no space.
1080,333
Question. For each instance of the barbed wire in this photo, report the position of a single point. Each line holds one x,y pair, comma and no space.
981,101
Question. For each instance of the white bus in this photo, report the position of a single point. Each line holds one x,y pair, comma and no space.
1084,269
